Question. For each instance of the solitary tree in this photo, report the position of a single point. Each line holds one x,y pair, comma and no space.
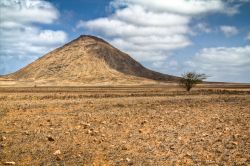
190,79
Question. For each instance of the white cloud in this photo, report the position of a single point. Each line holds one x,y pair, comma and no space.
223,64
26,11
21,39
202,27
144,34
229,30
146,29
248,36
184,7
113,27
149,18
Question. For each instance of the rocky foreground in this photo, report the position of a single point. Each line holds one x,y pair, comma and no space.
124,126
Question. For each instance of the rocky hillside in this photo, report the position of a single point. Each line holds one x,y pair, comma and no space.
88,60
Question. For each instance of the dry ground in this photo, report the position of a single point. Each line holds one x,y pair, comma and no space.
124,126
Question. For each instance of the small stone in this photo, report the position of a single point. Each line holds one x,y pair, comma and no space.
140,130
124,148
143,122
180,124
204,134
10,163
58,158
50,138
3,138
26,133
128,159
78,127
57,152
86,125
231,145
2,145
104,122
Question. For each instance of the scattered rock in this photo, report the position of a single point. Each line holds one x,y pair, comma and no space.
104,122
129,161
58,158
86,125
10,163
50,138
78,127
26,132
57,152
143,122
3,138
180,124
124,148
2,145
231,145
240,161
204,134
89,132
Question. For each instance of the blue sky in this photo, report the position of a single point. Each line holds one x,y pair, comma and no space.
172,37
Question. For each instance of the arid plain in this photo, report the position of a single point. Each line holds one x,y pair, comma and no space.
125,125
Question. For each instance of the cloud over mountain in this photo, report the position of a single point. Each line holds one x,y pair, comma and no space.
151,31
147,28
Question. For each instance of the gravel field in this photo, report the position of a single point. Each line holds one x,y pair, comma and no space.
124,126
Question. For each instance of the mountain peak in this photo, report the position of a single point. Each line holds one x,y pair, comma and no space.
87,37
88,60
85,40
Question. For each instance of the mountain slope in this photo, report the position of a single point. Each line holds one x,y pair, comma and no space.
88,60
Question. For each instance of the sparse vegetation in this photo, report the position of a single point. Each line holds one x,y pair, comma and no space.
190,79
124,126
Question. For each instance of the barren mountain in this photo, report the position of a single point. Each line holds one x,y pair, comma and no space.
88,60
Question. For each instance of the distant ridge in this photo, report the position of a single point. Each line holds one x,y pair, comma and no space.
88,60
